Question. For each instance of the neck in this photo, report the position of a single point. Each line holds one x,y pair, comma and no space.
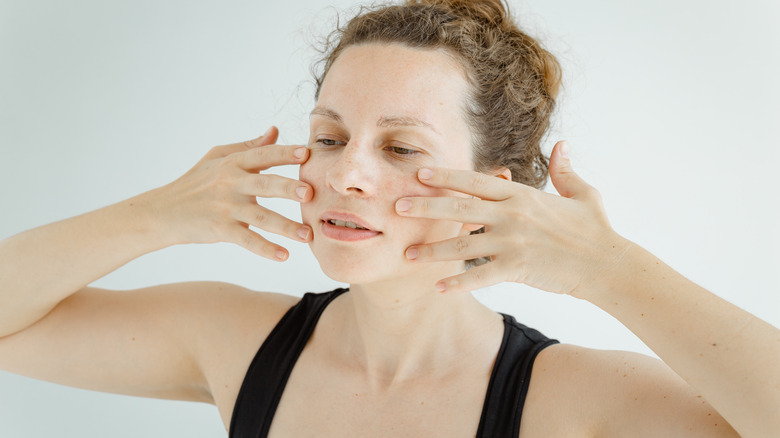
402,329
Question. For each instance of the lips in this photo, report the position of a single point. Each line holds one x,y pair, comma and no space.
344,232
347,217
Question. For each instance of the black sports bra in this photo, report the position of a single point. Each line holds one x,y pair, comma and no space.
268,373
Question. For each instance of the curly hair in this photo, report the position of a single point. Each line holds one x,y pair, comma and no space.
513,80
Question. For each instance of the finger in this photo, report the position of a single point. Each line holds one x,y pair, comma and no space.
475,278
460,248
465,210
469,182
566,181
258,159
275,186
269,137
273,222
255,243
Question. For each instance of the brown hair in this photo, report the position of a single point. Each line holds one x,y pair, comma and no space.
514,81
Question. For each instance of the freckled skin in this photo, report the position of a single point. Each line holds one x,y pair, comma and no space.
362,176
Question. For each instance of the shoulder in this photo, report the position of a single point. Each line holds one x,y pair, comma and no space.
234,323
615,393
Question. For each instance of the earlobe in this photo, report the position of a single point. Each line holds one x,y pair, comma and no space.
503,173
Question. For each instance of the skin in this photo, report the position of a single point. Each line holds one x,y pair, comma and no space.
395,323
170,341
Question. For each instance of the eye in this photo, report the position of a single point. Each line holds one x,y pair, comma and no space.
402,151
328,141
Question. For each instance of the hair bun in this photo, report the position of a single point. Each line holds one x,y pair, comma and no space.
493,12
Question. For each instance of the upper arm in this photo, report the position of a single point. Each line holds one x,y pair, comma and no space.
640,396
153,342
583,392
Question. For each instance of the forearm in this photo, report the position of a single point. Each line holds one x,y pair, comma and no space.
41,267
730,356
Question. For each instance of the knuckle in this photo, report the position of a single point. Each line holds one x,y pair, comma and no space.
216,150
247,240
260,218
479,179
262,183
259,153
462,205
594,194
461,245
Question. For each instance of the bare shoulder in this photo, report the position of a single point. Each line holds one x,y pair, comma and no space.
239,320
587,392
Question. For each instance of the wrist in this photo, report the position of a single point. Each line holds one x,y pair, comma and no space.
141,220
610,269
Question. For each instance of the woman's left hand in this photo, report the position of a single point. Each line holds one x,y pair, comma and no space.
562,244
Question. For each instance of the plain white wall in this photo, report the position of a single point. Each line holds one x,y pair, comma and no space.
671,109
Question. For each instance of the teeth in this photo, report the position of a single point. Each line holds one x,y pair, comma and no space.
346,224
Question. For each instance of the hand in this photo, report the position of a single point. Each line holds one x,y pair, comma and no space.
560,244
216,200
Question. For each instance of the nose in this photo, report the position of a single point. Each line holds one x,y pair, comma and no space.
354,171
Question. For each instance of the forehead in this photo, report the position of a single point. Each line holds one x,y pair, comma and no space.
374,80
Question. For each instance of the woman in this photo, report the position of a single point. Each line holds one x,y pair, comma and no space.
396,156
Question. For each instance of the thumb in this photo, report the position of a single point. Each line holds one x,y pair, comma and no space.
568,183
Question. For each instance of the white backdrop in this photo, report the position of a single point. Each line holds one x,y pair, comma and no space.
669,108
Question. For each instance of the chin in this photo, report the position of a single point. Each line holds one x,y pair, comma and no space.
359,267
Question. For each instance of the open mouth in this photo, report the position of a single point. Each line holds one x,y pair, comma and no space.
345,224
344,229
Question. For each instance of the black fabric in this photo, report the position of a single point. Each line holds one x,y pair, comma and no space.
268,373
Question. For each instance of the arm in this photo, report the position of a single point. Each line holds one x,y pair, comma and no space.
43,266
565,244
159,341
604,394
213,202
728,355
48,317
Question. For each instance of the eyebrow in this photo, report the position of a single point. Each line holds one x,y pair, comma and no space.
383,122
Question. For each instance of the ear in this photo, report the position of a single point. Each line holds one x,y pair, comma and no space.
501,172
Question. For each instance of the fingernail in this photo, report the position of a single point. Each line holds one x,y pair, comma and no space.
300,152
412,253
304,233
565,150
441,287
268,132
301,192
403,205
281,254
425,173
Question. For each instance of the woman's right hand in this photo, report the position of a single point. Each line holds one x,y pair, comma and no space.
216,200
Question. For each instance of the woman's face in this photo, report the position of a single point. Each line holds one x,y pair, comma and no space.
384,111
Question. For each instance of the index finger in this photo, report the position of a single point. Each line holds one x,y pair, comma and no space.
264,140
469,182
262,158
